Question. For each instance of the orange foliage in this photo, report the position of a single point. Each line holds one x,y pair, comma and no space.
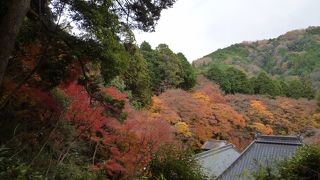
264,129
160,110
261,109
203,112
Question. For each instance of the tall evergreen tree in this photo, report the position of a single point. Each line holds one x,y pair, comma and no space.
138,81
187,72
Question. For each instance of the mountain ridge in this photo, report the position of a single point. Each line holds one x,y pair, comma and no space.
293,54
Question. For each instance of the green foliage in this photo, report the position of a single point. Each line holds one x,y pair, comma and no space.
318,100
296,89
236,52
284,88
167,69
304,165
313,30
118,83
215,74
187,73
263,84
266,173
308,90
237,81
231,80
295,53
145,46
172,162
137,80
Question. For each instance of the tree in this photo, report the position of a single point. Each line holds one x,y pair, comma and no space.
138,81
263,84
284,88
308,92
169,68
296,89
99,20
10,23
187,73
231,80
152,59
318,99
303,165
216,74
238,81
172,162
145,46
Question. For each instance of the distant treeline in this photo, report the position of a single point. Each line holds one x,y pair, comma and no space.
232,80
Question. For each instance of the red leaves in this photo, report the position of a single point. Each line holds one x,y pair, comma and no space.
114,168
85,113
130,145
114,93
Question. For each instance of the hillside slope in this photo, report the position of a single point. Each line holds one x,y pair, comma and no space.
206,113
296,53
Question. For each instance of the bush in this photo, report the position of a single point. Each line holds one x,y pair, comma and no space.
304,165
172,162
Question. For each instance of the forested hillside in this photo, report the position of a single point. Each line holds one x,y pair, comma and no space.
294,54
80,99
206,112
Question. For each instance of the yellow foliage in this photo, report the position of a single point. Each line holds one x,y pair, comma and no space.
183,128
156,107
264,129
202,97
260,108
160,110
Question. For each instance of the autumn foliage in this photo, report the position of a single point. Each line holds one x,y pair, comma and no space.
199,115
205,113
124,148
120,141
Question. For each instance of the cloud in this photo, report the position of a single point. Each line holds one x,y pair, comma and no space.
197,28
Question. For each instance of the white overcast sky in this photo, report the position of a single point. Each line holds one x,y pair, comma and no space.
198,27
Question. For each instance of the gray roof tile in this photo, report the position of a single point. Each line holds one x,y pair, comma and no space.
264,150
215,161
211,144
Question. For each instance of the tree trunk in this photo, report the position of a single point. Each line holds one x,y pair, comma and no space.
10,25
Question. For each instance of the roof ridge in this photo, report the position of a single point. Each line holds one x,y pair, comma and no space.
214,150
277,136
274,142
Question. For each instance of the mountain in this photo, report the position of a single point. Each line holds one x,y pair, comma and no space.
296,53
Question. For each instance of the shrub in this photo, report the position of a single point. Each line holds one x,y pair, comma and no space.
173,162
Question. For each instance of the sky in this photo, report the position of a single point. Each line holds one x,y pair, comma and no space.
199,27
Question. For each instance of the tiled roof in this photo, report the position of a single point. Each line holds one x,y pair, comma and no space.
211,144
263,151
216,160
